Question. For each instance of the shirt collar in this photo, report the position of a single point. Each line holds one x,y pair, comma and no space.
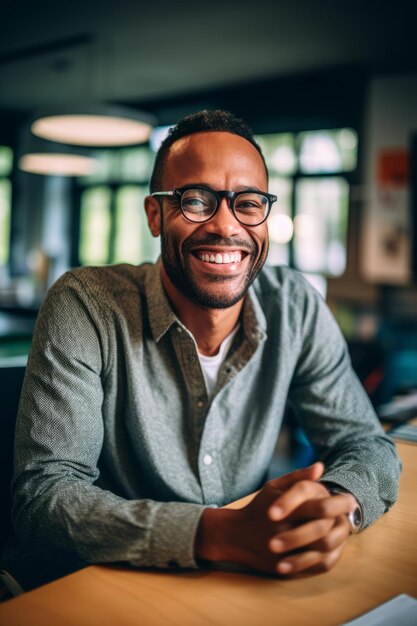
253,318
161,315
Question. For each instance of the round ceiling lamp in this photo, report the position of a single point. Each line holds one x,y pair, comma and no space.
57,164
94,125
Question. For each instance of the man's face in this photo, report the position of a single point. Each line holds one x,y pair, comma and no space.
221,161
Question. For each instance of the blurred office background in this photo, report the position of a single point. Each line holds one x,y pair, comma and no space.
330,90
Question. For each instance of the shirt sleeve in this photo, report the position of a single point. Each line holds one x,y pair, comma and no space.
337,416
57,508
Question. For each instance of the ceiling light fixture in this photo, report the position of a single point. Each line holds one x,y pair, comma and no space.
95,125
38,156
58,164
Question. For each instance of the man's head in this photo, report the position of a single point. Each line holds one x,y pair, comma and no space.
212,262
203,121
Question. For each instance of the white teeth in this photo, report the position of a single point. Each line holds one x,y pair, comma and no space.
232,257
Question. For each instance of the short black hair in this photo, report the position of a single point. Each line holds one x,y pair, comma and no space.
201,121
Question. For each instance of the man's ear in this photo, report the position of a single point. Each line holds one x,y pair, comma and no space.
153,211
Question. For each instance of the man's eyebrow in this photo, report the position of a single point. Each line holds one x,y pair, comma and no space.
248,188
238,189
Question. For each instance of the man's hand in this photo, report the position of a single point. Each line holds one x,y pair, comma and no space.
292,525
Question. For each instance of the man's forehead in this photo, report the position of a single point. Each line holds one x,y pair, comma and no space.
219,158
196,142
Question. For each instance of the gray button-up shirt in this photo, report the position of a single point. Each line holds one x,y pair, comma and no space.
118,449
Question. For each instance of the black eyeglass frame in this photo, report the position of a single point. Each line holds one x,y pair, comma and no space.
219,195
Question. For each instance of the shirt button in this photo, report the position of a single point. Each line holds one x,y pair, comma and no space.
208,459
199,404
179,329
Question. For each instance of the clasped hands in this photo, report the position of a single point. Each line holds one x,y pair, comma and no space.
293,525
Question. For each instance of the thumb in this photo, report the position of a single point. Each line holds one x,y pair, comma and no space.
312,472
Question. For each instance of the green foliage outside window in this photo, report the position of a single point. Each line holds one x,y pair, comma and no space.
6,163
5,195
133,241
95,225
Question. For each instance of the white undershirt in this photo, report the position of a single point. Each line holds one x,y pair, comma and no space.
210,365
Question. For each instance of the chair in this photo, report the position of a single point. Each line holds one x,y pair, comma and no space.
11,379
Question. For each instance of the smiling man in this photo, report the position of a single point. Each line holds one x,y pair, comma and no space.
154,395
213,244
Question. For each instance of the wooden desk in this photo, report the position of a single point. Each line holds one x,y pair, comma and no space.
378,564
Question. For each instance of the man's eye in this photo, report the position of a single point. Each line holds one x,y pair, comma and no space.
250,203
196,205
196,202
247,204
249,207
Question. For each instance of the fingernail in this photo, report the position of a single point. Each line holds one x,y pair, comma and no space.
275,513
284,567
276,545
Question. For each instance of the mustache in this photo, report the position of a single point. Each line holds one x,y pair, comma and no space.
211,239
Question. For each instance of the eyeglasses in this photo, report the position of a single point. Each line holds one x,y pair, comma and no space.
200,204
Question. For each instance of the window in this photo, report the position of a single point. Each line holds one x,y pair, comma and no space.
327,151
112,221
309,172
6,162
131,226
320,225
95,225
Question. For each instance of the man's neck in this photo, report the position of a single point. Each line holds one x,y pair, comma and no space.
209,327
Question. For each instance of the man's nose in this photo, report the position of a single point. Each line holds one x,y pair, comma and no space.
224,222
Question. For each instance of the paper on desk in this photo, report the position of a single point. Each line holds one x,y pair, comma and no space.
402,609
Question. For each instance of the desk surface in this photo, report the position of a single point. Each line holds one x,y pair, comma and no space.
378,564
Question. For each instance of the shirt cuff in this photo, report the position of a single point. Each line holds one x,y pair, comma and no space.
172,536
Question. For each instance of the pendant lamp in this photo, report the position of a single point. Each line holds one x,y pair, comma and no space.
94,125
38,156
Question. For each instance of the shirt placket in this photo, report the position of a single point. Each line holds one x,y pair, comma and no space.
202,415
197,394
209,460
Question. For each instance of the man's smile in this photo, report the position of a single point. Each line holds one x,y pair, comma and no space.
215,256
216,262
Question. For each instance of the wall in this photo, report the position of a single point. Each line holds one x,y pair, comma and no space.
391,118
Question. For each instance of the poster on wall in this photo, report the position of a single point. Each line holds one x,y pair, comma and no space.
388,240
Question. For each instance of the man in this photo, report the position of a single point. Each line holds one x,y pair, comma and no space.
154,394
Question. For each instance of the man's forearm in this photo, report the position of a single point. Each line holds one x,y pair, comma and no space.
97,526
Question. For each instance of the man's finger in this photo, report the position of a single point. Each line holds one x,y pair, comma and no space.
299,562
324,508
315,558
312,472
308,534
338,535
313,562
295,496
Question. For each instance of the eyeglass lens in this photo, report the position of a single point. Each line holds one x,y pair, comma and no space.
198,205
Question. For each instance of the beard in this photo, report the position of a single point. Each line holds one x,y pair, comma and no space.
180,273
